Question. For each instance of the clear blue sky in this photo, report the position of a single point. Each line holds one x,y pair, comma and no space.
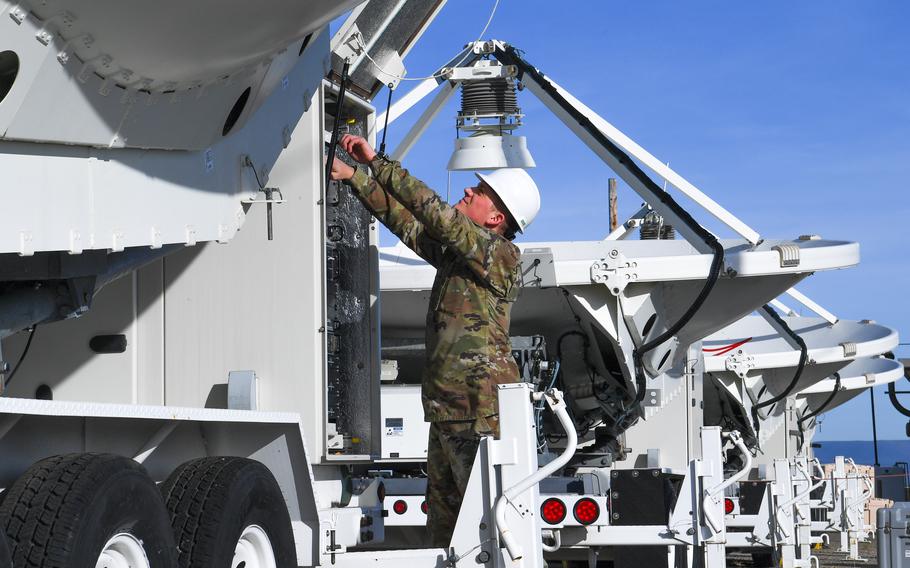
793,115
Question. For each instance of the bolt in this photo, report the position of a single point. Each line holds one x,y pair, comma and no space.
690,531
483,557
635,473
614,253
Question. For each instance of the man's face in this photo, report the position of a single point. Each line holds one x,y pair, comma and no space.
479,206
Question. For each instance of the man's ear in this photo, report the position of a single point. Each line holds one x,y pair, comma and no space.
495,219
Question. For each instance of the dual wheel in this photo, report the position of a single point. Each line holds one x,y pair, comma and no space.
104,511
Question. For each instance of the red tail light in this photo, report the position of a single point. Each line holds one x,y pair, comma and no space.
586,511
400,507
728,506
553,511
424,508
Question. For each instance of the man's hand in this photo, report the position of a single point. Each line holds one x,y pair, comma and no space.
358,148
341,171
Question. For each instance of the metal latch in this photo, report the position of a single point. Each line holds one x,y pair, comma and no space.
269,196
849,348
789,255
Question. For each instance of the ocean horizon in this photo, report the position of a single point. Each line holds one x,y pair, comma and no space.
863,452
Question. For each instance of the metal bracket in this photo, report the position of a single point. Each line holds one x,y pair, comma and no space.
615,272
740,363
789,254
849,348
652,397
269,193
243,390
269,201
485,69
503,452
352,46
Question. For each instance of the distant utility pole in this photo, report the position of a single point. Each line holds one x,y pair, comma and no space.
874,429
614,222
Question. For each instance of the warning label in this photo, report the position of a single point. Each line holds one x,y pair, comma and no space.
394,426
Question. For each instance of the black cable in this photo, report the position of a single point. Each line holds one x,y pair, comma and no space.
511,56
28,344
337,126
388,111
819,410
560,339
803,359
588,367
892,394
255,173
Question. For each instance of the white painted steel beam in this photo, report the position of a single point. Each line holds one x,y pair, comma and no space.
663,170
608,158
405,103
816,308
423,122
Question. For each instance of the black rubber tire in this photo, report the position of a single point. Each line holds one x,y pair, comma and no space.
64,509
5,559
212,500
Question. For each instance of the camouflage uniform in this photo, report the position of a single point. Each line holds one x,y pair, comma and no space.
467,334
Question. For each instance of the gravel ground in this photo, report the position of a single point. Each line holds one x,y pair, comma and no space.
828,557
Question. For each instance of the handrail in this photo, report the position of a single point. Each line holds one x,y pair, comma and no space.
804,494
718,489
557,405
821,474
557,541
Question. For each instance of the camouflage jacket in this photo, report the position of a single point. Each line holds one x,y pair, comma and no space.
477,280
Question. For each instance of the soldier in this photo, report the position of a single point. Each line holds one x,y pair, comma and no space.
467,335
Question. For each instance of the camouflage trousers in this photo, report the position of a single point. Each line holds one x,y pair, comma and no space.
450,457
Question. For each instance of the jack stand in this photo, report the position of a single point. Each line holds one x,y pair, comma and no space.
802,487
502,468
783,514
700,505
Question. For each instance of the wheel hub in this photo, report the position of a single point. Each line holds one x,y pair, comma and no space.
123,550
254,549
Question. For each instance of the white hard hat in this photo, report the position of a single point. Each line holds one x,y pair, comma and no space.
518,193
